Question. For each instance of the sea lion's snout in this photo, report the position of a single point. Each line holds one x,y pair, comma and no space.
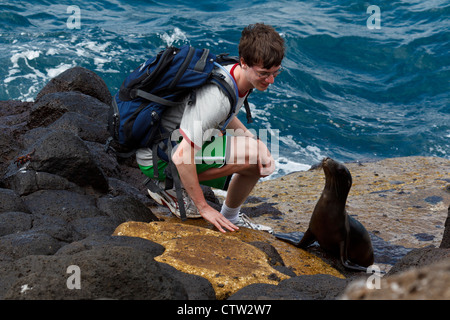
327,162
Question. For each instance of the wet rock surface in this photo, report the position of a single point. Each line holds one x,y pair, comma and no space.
64,200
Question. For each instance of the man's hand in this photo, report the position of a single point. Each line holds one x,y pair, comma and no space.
217,219
266,163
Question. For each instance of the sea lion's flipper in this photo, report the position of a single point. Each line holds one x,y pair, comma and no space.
344,260
307,240
298,239
352,266
292,237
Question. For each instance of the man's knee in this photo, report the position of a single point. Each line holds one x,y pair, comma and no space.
243,151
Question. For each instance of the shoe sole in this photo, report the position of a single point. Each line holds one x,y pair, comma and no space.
160,200
266,229
254,226
167,203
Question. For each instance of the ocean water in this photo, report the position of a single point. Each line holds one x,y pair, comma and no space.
359,82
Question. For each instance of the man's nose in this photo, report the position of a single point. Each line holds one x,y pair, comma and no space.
270,79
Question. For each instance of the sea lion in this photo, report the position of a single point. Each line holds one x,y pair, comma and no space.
332,227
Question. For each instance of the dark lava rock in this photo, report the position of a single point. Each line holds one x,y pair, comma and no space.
10,201
125,208
14,222
22,244
65,154
65,204
445,243
307,287
29,181
113,272
58,209
418,258
81,80
52,106
83,126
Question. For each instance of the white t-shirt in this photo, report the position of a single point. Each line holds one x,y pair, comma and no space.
200,121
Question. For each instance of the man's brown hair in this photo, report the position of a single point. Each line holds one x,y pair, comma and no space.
260,44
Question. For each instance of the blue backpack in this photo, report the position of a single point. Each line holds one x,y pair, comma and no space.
160,83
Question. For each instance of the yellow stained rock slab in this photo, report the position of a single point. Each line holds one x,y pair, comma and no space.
298,260
225,260
227,263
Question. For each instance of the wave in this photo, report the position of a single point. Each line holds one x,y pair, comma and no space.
347,91
11,21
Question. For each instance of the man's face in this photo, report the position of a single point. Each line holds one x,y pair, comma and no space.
261,78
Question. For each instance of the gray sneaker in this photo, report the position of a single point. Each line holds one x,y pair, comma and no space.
169,199
245,222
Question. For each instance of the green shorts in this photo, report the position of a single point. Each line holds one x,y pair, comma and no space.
212,155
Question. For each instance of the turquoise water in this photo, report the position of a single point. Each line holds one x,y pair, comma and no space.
349,90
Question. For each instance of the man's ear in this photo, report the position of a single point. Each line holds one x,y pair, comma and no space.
243,64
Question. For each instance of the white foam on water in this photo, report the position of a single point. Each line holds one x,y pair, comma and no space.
94,46
51,52
30,66
284,166
53,72
27,55
288,166
20,60
177,35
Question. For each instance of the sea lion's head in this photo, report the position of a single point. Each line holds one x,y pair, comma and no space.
337,175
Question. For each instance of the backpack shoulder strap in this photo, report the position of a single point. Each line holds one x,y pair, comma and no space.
151,97
232,93
225,59
247,108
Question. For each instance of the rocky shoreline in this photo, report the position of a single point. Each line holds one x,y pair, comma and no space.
65,201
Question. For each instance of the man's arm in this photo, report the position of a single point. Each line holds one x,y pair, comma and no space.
239,128
183,159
